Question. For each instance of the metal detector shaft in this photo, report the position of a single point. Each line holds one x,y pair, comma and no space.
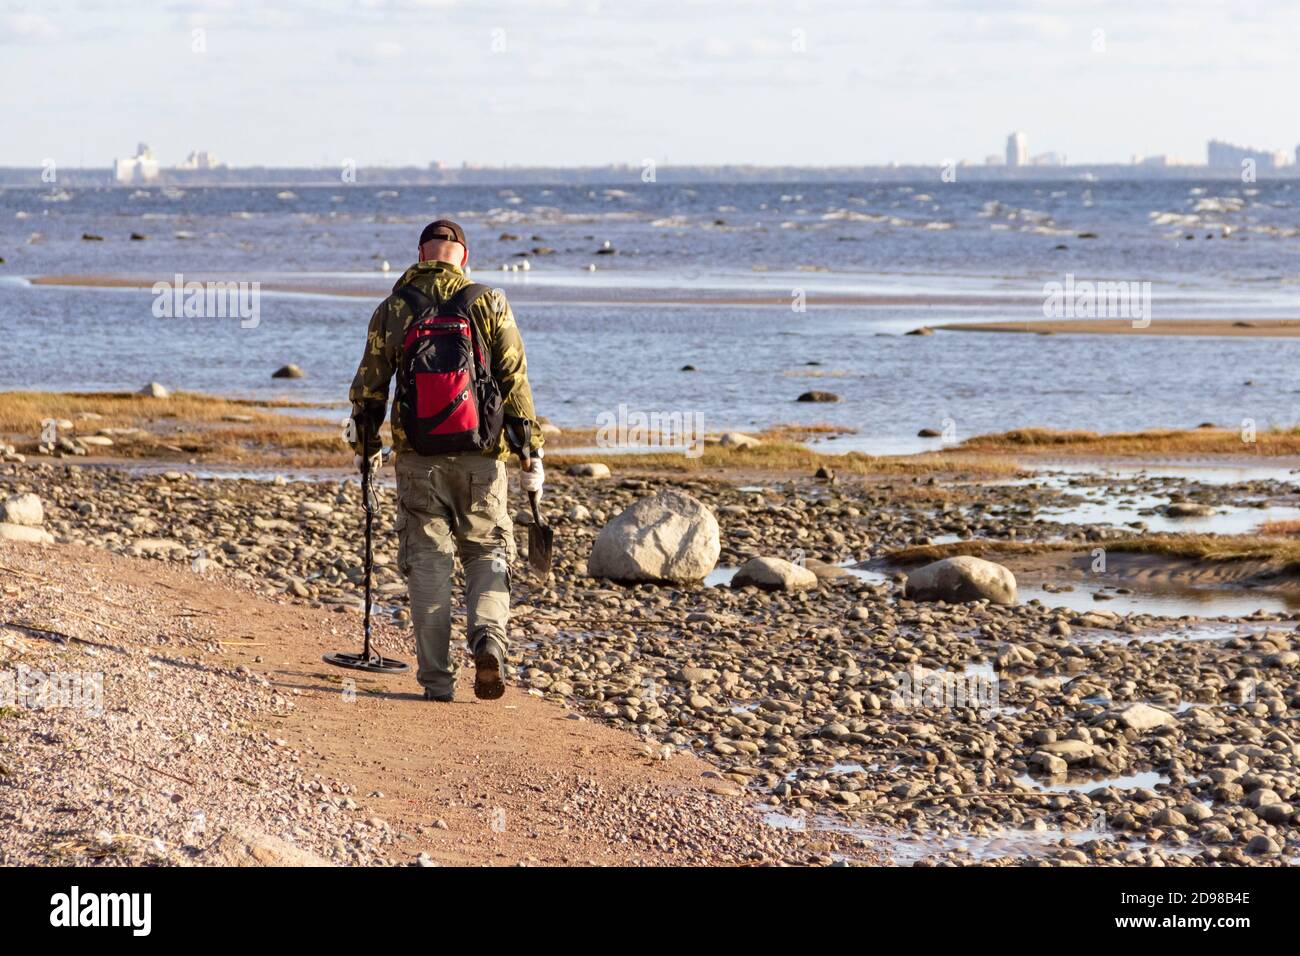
368,560
368,659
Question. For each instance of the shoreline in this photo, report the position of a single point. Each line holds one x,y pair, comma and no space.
276,435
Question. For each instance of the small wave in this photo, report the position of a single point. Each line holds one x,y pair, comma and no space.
1174,219
1219,204
849,215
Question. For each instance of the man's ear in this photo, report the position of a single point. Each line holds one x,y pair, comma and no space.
464,260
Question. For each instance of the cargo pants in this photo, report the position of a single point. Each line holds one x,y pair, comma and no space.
449,505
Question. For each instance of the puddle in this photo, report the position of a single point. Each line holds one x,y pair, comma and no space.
863,574
1224,474
850,768
1200,632
720,576
908,848
1125,513
783,821
949,538
1166,601
1135,781
1121,503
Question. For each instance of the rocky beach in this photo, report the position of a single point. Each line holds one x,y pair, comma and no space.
1036,663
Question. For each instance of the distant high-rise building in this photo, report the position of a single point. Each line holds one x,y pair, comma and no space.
141,167
1048,159
997,159
1162,160
1017,149
200,159
1221,155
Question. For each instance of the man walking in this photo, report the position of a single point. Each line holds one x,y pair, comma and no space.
462,407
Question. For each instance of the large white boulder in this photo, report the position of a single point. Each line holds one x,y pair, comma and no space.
773,574
960,579
667,537
23,509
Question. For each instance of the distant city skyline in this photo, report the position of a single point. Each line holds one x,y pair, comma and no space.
587,82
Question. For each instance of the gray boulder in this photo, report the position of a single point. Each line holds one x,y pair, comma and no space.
25,509
773,574
960,579
590,469
1141,716
667,537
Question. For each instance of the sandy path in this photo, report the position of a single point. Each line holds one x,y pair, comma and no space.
518,780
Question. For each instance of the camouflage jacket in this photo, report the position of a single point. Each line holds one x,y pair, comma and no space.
492,319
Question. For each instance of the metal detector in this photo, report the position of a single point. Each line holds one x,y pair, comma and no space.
368,659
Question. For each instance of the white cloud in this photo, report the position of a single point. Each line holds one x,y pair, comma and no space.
26,28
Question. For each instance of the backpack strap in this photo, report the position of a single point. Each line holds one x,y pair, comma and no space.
460,303
417,300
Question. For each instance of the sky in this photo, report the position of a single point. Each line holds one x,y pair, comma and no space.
591,82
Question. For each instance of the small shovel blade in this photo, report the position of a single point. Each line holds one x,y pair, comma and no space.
541,541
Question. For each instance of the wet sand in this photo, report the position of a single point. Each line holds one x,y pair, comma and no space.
374,285
1253,328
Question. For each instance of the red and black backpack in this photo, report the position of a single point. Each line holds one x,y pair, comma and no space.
448,399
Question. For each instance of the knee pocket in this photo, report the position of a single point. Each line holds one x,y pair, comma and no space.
415,537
